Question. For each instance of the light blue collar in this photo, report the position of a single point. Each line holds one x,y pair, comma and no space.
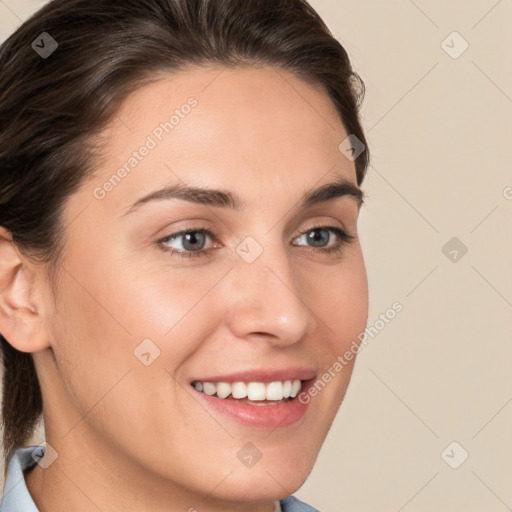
16,496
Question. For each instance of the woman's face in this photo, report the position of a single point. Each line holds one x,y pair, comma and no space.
247,294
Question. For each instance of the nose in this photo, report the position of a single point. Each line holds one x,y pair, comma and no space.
267,301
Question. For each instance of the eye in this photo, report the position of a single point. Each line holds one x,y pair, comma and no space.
320,237
190,242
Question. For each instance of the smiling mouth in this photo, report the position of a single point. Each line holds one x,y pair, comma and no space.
253,393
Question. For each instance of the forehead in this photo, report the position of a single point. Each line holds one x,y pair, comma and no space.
227,91
225,126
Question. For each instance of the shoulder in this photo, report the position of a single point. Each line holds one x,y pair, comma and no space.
292,504
15,495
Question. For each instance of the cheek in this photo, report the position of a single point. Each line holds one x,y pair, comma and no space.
339,297
174,307
97,328
124,301
91,344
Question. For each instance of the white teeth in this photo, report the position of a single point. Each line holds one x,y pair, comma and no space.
254,391
287,388
223,389
296,384
209,388
274,391
239,390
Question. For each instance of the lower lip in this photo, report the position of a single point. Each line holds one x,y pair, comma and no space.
263,416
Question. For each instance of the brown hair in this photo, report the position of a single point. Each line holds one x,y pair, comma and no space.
51,107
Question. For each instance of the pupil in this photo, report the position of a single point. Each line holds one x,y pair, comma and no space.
192,238
316,237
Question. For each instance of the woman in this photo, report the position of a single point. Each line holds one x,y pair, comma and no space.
169,376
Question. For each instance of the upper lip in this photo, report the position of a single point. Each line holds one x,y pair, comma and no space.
262,375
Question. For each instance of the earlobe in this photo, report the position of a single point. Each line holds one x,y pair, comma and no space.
21,322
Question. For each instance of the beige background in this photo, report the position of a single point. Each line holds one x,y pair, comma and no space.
440,137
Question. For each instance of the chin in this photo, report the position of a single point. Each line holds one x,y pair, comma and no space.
266,484
275,476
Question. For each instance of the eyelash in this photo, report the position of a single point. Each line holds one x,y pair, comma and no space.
344,239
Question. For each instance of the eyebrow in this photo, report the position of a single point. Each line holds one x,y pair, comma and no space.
225,199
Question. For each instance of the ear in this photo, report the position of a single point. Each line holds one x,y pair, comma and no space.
21,321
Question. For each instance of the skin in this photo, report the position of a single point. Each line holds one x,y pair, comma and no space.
131,437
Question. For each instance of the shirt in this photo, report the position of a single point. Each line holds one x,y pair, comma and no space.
16,497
